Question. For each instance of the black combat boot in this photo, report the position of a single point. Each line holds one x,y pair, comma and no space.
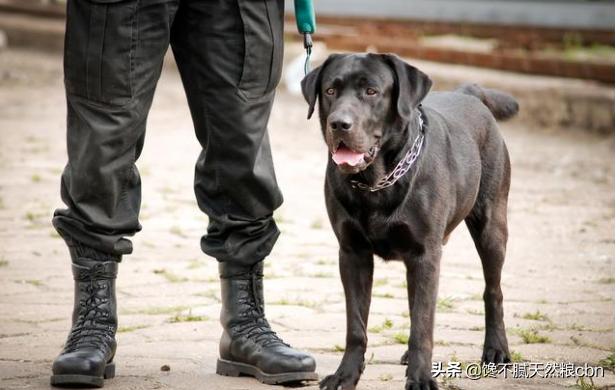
87,357
248,345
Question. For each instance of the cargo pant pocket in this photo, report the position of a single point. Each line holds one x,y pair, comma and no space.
263,46
100,43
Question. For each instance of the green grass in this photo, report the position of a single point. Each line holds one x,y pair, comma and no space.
582,343
581,384
160,310
606,280
379,282
34,282
475,297
536,316
35,178
3,263
385,377
401,338
608,362
287,302
516,357
383,295
445,304
128,329
317,224
322,275
532,336
32,217
194,264
338,348
387,324
592,52
323,261
280,218
187,318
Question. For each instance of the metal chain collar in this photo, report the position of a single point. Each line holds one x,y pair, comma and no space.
403,166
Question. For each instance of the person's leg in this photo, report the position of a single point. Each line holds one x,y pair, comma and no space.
229,53
113,58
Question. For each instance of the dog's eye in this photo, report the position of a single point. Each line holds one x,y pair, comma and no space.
330,91
371,92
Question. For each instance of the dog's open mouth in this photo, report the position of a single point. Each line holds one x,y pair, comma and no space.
342,154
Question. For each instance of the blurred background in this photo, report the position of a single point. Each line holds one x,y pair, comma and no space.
555,56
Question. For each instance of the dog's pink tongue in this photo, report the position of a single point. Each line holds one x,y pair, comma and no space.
345,155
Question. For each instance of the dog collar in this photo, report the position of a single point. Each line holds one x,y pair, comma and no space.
403,165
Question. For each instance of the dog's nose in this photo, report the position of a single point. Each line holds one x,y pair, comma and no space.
340,123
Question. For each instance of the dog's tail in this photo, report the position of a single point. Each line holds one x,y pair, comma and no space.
502,105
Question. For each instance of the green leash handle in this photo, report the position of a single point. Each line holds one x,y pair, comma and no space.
304,16
306,25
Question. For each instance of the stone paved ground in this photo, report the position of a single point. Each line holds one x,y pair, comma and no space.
558,278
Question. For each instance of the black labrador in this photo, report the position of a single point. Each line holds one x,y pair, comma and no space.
406,168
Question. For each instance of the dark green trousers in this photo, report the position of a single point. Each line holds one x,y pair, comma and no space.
229,53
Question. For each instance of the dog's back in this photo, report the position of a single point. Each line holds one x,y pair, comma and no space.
473,110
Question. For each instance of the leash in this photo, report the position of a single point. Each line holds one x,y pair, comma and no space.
306,25
308,47
403,165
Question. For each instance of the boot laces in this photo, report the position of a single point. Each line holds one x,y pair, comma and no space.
255,325
90,329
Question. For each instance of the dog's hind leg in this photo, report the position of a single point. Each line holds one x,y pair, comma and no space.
487,224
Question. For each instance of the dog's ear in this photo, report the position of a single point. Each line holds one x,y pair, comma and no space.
311,84
410,85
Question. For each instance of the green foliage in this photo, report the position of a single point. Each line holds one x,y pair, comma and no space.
536,316
401,338
608,362
187,318
445,304
516,357
532,336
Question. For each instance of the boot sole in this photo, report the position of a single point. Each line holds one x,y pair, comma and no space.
229,368
74,380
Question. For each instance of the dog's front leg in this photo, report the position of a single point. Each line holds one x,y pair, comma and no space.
356,270
422,275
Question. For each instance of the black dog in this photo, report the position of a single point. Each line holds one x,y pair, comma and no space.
406,169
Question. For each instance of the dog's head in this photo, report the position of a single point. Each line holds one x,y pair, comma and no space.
364,100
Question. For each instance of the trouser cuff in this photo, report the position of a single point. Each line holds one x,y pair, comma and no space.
231,270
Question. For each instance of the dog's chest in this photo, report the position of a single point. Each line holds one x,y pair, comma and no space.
391,240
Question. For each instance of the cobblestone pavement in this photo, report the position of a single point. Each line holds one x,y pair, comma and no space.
558,278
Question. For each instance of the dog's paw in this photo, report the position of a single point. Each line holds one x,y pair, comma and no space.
494,354
495,347
429,384
339,381
404,359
